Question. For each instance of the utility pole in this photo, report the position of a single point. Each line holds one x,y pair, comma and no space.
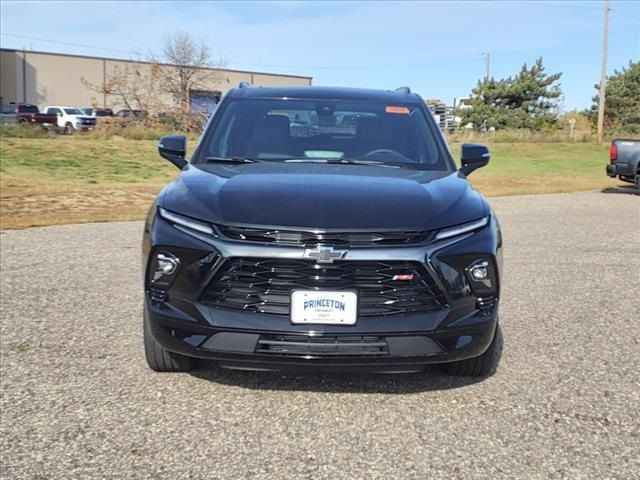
487,65
603,74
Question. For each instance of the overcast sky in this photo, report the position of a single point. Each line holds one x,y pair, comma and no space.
434,47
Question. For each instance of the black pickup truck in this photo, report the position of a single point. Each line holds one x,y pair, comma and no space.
624,158
26,113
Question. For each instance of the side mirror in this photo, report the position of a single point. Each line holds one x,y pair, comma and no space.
473,156
174,149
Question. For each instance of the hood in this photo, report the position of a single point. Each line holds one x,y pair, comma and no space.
323,196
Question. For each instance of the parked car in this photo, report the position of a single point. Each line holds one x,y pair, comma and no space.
71,119
624,160
26,113
98,112
129,113
366,249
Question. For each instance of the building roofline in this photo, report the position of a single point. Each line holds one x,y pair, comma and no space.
112,59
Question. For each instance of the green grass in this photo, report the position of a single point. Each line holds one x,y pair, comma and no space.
61,179
559,159
68,160
520,168
64,179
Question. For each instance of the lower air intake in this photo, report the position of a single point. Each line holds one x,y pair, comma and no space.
322,346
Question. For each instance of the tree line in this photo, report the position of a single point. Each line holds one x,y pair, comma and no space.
531,100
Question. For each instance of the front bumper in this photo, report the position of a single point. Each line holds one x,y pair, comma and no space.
242,340
181,322
85,125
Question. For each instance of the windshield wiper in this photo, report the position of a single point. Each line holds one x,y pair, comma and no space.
231,160
355,161
341,161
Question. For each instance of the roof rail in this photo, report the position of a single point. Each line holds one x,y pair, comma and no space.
245,85
403,90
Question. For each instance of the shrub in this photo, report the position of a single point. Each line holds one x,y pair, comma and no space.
24,130
518,136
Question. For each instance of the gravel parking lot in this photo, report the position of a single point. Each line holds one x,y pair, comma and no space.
79,402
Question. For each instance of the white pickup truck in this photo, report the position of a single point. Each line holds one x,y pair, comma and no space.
71,119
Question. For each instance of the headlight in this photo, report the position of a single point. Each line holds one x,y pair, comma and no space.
185,221
479,271
462,228
482,277
475,273
163,268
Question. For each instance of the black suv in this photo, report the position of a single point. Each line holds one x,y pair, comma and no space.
325,228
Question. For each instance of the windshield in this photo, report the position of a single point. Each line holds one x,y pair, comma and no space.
28,109
73,111
286,129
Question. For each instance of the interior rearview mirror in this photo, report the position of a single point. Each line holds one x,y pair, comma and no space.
174,149
473,156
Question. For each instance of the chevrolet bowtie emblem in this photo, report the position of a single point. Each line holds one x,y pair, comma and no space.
324,254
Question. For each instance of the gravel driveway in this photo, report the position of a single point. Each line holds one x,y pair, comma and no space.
79,402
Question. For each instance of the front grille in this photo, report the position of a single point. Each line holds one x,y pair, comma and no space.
325,345
265,285
311,237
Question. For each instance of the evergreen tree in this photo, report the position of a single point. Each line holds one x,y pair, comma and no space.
527,100
622,100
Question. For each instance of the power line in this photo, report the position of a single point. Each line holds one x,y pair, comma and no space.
359,67
66,43
551,3
421,64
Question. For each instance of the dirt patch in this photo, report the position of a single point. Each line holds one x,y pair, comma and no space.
29,209
500,185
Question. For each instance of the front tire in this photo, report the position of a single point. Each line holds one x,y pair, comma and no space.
159,359
480,366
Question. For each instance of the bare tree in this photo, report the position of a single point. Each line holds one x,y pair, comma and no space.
161,84
190,59
134,86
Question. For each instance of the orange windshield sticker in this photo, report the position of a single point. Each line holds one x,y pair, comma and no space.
394,109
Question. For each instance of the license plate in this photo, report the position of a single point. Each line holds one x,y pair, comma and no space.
325,307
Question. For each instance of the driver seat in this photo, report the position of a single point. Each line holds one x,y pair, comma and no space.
371,134
271,135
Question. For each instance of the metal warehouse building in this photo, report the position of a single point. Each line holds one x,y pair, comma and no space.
44,78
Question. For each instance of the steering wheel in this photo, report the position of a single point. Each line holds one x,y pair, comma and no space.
386,152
